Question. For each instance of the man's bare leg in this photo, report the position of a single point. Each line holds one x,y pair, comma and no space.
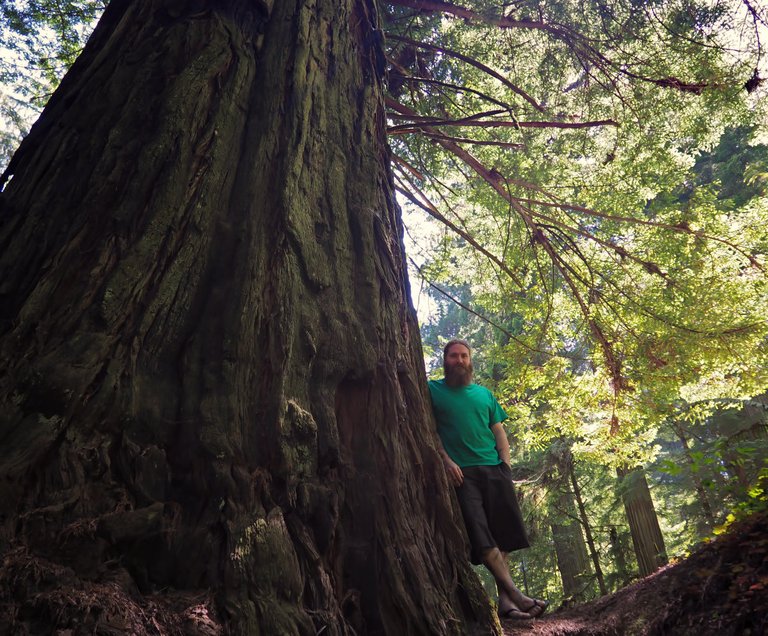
510,598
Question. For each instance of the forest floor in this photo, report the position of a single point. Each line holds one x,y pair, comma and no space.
721,589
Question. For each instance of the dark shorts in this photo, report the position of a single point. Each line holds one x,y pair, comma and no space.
491,513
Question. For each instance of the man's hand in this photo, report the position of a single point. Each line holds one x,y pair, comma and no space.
452,469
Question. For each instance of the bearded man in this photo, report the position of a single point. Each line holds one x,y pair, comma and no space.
475,452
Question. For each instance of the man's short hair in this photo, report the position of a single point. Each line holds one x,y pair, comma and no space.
456,341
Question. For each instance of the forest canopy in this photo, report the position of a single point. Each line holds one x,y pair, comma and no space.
597,177
564,150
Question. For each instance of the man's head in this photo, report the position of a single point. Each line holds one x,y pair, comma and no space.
457,363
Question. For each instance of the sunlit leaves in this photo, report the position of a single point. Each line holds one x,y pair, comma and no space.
641,260
39,40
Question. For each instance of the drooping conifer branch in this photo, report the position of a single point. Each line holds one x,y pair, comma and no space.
474,142
464,306
595,295
498,183
473,62
401,74
409,167
682,228
484,318
571,277
645,310
622,252
580,45
505,22
418,123
612,362
419,199
648,266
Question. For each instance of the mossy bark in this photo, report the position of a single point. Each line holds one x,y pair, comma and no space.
212,376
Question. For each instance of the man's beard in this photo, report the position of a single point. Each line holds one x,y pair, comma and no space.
458,374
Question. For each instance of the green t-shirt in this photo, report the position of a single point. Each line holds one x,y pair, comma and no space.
464,417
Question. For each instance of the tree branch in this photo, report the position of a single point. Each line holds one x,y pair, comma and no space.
419,122
479,65
474,142
465,307
502,21
463,89
430,209
498,183
577,42
682,228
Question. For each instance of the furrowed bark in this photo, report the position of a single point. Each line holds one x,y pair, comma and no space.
212,375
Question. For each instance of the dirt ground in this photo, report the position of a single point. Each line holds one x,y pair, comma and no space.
720,590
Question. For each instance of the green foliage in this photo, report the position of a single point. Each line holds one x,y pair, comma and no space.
756,502
669,347
643,225
39,41
758,493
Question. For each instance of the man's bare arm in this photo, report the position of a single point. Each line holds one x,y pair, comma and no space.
502,443
452,469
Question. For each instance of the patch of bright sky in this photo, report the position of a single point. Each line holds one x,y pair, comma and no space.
421,233
12,95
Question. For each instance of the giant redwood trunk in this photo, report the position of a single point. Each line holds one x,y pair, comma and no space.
213,407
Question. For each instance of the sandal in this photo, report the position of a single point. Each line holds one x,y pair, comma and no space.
537,604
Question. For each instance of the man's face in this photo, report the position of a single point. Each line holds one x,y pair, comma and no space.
458,365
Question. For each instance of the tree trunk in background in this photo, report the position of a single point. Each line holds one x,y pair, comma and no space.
701,491
211,372
619,552
587,530
744,426
643,523
571,551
